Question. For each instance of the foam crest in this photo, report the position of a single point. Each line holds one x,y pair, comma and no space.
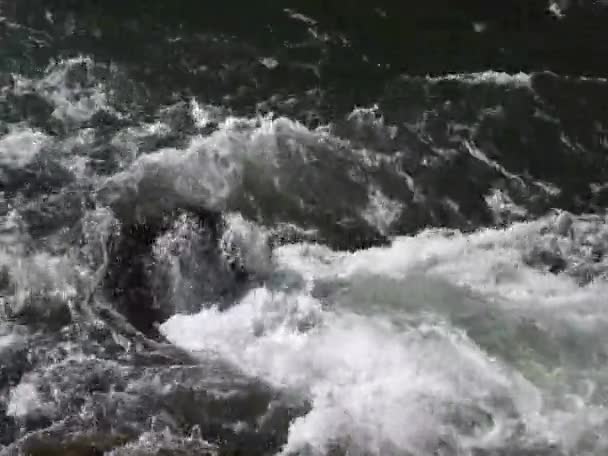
268,169
208,171
483,260
487,77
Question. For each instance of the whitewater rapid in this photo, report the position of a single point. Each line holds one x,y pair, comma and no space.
191,276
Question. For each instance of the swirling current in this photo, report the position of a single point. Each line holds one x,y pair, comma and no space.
303,228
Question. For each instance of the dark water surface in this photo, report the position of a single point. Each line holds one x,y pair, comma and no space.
303,228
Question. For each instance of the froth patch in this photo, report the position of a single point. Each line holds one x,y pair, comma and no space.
71,87
381,211
25,400
20,146
486,77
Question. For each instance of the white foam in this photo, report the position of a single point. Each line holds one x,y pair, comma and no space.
480,27
597,187
211,168
129,140
205,173
42,282
477,153
486,77
248,243
72,101
269,62
300,17
557,10
20,146
372,117
489,261
548,187
373,387
39,275
25,400
380,12
597,79
204,115
368,340
501,78
8,341
163,441
502,206
381,211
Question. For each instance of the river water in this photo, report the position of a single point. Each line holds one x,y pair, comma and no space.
314,228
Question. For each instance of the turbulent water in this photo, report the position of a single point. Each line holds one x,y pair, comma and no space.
275,228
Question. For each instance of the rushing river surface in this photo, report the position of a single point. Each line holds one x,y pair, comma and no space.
303,228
